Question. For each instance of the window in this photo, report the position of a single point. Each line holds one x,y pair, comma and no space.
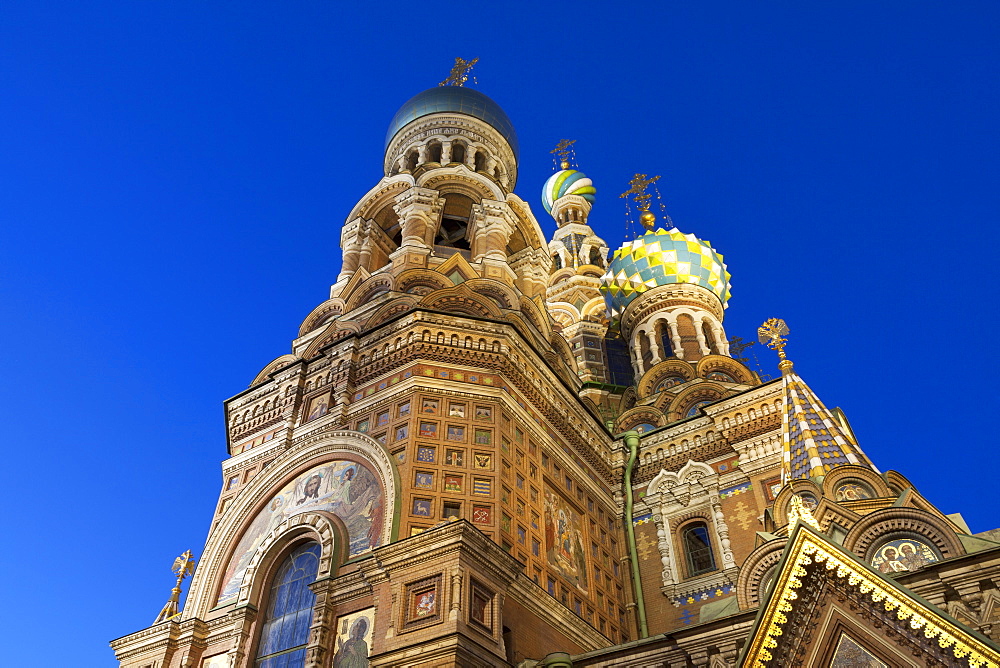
480,605
452,511
698,549
285,629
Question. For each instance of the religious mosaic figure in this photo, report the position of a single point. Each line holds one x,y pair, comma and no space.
319,408
903,555
347,489
425,603
564,541
354,635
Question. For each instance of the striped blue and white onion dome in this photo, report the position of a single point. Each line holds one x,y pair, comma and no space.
662,257
567,182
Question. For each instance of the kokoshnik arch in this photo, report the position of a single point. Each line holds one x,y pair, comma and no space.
488,448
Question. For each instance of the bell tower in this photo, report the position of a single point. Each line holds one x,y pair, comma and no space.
404,467
579,258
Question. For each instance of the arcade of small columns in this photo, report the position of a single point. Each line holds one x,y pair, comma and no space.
439,150
649,335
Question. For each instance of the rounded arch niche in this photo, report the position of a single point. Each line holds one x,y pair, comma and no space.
344,473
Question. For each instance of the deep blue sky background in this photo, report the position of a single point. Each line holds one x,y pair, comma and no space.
173,178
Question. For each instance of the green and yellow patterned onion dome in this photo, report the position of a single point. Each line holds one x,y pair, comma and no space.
662,257
567,182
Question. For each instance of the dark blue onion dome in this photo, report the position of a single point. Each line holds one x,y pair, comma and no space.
456,99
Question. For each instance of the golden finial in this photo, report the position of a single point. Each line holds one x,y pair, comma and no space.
799,512
182,568
772,334
460,72
564,149
638,184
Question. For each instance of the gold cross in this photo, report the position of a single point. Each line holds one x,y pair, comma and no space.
564,149
638,184
459,72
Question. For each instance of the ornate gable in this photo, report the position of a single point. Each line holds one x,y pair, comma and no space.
826,608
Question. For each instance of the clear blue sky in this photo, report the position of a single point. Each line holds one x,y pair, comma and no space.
173,178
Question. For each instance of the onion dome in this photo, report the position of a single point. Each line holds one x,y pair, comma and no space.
661,257
567,182
458,100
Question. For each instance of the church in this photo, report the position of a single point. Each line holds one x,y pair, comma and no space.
492,448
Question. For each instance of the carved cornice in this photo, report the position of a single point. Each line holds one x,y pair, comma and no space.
666,296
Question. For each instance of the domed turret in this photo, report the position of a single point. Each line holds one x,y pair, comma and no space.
661,257
567,182
667,290
455,99
450,126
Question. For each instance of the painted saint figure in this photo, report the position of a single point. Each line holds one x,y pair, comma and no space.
319,409
353,652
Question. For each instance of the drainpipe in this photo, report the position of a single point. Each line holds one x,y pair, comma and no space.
632,443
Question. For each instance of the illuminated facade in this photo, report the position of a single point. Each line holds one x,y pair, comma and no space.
489,448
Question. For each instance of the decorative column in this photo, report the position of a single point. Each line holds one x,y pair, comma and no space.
324,619
446,152
637,358
456,594
419,210
353,239
663,544
675,338
491,229
728,561
654,347
699,333
241,620
720,336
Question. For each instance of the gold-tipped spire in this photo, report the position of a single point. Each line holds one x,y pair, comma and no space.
564,149
813,442
799,512
637,189
460,72
182,568
772,334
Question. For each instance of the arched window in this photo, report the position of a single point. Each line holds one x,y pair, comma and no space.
434,152
698,549
455,222
285,629
709,336
595,257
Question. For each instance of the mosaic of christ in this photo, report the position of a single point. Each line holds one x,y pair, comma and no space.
347,489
